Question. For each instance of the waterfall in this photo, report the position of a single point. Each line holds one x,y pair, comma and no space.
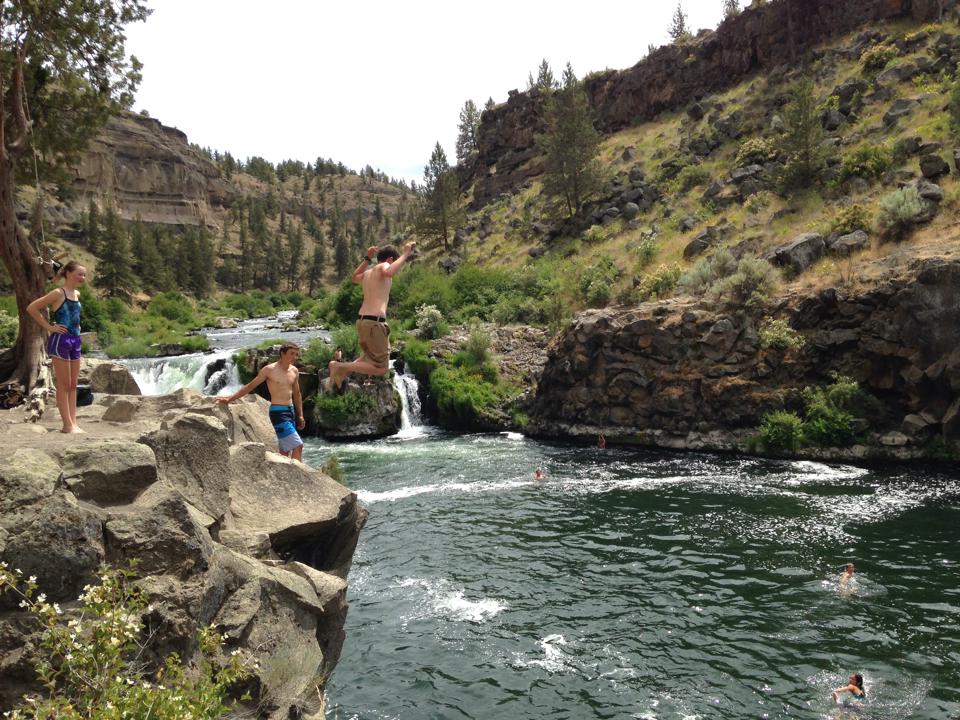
410,422
209,373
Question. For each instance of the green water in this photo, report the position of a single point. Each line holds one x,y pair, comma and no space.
639,585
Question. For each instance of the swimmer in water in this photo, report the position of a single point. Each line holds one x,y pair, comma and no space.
538,474
854,686
846,577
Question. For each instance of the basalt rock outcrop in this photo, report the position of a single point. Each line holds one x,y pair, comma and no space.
757,39
224,532
370,408
680,374
150,170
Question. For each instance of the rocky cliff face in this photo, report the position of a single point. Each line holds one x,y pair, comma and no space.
225,533
150,169
777,33
680,374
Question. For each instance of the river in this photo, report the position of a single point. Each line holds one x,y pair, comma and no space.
632,584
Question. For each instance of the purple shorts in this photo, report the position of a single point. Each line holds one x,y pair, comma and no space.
63,346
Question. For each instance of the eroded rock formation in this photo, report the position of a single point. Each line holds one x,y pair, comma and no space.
679,373
225,533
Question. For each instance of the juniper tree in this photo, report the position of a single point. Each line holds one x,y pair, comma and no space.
731,8
678,24
570,146
803,138
317,264
490,104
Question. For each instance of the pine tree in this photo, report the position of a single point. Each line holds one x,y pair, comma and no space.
317,264
805,154
440,209
113,269
294,257
245,257
678,25
490,105
92,227
731,8
377,210
467,131
545,79
570,147
338,237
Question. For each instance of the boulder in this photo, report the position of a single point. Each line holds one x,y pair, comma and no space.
628,154
377,415
636,175
630,210
26,476
696,111
107,378
850,243
900,108
832,120
109,472
933,166
800,253
894,438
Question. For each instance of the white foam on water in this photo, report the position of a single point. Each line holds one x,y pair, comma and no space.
554,658
513,435
452,603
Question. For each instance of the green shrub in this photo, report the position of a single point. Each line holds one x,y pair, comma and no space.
269,343
172,306
781,431
477,345
849,219
463,395
953,107
416,356
707,272
646,251
876,57
317,352
595,281
868,162
752,284
92,666
830,412
755,150
94,314
778,334
9,327
421,285
757,202
900,211
334,411
333,470
248,305
660,283
345,337
691,176
430,322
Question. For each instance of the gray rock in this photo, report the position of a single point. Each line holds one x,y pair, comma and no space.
630,210
800,253
26,476
832,120
893,439
536,252
777,125
929,191
687,224
636,174
121,410
900,108
109,472
108,378
933,166
915,426
628,154
851,243
696,111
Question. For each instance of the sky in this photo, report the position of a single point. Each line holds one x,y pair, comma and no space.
370,81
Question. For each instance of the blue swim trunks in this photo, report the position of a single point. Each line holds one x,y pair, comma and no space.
285,425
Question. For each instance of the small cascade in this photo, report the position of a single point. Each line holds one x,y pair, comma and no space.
410,422
209,373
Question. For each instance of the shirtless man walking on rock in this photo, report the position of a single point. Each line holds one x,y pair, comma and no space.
286,404
376,278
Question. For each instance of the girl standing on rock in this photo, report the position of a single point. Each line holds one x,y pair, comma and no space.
63,345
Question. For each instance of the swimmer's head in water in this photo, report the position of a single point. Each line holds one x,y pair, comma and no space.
848,568
857,679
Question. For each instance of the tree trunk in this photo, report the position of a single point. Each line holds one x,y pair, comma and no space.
29,281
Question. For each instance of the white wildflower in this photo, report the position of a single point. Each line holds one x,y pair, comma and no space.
56,609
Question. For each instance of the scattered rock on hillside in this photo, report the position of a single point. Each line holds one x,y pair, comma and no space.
106,377
628,154
696,111
850,243
630,210
900,108
800,253
933,166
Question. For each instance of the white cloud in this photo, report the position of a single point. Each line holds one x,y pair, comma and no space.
373,82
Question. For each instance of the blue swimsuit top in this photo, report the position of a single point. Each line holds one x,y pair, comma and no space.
68,314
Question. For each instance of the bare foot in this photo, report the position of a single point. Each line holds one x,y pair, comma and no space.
67,429
78,429
336,378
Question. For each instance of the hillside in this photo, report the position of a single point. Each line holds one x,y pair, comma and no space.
703,175
142,168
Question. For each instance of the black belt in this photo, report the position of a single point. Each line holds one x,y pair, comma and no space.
375,318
